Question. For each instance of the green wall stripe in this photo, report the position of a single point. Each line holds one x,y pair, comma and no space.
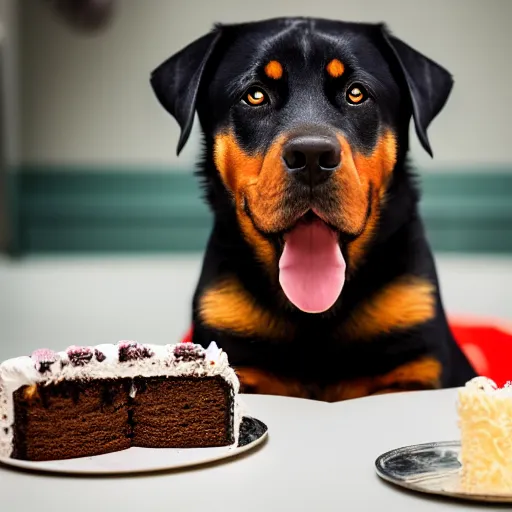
90,209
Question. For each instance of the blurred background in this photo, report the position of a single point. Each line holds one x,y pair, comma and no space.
101,225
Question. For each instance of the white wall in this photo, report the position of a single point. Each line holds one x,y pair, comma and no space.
87,99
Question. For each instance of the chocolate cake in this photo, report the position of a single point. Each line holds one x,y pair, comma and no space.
88,401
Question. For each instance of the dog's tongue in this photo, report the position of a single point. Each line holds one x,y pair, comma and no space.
312,268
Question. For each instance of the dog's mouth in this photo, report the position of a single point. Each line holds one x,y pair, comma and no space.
312,266
312,247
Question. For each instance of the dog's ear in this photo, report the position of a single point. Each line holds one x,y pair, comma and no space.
429,85
176,81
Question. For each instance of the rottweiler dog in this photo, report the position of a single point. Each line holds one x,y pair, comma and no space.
318,279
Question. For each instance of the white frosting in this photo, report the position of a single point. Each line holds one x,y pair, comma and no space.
23,371
485,422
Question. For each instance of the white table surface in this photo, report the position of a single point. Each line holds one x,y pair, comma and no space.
318,457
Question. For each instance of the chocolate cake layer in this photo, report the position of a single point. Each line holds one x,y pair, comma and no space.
71,419
181,412
84,418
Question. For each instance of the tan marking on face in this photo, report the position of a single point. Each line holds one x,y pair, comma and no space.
257,181
402,304
274,70
351,191
228,306
357,248
259,184
235,166
266,195
374,170
335,68
378,166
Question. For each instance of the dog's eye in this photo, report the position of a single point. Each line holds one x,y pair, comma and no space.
357,94
255,96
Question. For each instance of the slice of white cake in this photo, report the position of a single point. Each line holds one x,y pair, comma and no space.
485,422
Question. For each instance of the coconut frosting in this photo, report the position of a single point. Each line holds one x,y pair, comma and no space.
485,421
126,359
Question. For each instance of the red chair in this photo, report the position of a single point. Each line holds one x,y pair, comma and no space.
187,338
487,343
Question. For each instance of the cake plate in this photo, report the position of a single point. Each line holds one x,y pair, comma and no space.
431,468
143,460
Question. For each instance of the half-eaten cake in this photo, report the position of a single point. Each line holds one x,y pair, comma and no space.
88,401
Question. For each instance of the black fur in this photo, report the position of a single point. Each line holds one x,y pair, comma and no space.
211,76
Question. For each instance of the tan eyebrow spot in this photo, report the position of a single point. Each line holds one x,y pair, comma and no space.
274,70
335,68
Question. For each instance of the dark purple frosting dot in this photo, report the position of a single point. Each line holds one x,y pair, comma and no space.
188,352
133,351
79,356
100,356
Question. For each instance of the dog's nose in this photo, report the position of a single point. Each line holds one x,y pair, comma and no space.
312,159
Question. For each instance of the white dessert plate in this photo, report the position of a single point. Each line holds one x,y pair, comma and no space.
143,460
432,468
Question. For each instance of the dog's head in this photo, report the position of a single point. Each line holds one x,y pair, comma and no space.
305,120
